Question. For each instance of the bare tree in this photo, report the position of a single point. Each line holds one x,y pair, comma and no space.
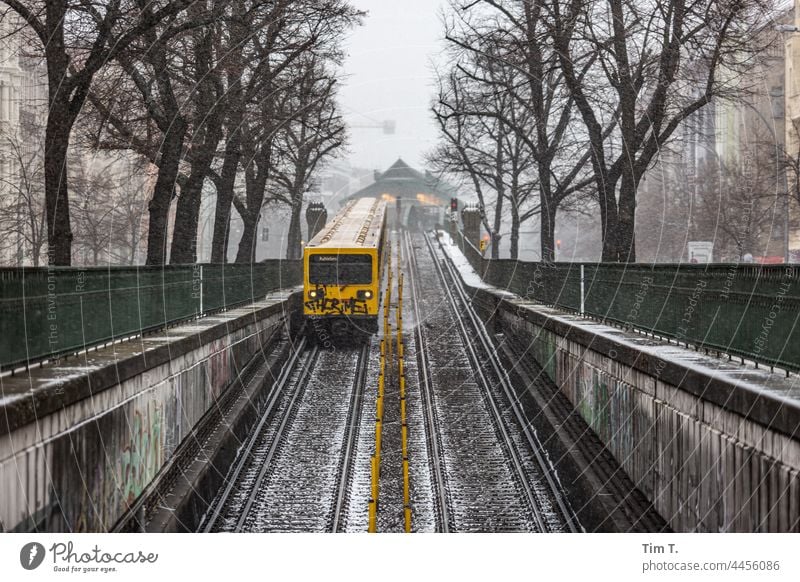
78,37
93,206
150,101
282,99
647,66
315,134
22,213
503,48
738,202
266,38
207,98
232,87
488,152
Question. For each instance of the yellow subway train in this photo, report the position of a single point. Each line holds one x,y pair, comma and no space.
342,268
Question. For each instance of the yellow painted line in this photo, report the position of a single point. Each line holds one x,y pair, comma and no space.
403,410
404,431
372,517
386,347
378,440
374,478
406,488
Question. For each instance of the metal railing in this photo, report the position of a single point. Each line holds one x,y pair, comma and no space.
746,310
47,312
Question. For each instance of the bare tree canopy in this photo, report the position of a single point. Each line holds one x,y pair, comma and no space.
78,38
593,89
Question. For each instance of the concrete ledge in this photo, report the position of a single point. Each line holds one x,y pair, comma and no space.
42,390
769,399
81,440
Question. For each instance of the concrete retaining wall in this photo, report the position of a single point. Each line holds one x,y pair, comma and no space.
81,440
714,444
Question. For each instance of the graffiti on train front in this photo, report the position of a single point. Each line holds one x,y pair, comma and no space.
334,306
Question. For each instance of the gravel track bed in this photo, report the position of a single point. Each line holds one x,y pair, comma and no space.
297,493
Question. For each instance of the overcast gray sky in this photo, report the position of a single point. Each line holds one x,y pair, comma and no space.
389,77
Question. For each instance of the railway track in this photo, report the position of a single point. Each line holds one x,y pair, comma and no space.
435,453
496,476
284,479
482,348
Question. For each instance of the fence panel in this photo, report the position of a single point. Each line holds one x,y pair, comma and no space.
47,312
742,309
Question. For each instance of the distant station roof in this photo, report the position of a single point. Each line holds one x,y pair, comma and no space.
403,181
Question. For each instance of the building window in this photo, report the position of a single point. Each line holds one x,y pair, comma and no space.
264,233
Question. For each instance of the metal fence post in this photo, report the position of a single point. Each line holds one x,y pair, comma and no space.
582,291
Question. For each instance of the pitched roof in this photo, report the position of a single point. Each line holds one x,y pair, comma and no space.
403,181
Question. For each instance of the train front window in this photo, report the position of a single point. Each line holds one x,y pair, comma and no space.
340,270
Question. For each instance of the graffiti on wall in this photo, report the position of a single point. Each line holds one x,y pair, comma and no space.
142,456
218,367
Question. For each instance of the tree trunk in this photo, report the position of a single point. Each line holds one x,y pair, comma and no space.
626,236
59,230
247,246
206,135
610,222
184,238
495,234
256,177
294,249
134,244
222,214
514,250
184,235
158,207
547,232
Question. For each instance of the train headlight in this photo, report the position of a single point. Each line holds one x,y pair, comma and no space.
313,294
368,294
364,294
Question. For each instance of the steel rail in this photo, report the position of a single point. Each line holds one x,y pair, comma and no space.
537,448
511,449
428,413
300,385
277,389
353,424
